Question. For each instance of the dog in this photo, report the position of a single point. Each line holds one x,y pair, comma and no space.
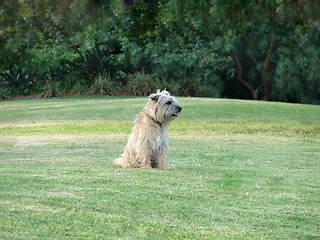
148,145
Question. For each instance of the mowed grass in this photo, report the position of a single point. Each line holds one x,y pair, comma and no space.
245,170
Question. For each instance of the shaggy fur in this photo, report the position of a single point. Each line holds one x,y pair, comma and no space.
148,144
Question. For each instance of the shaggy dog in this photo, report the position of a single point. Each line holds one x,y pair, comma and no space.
148,144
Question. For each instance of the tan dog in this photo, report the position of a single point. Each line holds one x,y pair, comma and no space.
148,144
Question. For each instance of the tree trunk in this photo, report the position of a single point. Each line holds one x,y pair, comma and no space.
263,72
266,88
253,91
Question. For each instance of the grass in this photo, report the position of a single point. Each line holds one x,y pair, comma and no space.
245,170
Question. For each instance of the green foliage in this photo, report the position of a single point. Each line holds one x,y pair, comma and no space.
102,85
51,89
4,95
78,88
142,84
197,65
188,87
297,78
93,63
19,81
194,88
187,44
143,62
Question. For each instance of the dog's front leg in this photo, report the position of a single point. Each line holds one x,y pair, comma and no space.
145,162
163,158
164,165
143,157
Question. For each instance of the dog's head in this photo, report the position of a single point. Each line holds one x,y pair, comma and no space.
162,106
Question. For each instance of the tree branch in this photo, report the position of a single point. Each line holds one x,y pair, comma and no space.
240,78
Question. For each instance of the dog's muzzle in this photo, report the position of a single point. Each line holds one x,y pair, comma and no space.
178,108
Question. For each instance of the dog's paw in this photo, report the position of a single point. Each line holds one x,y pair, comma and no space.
169,168
146,166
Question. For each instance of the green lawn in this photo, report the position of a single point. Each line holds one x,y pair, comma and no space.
245,170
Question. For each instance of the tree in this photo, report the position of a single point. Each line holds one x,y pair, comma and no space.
249,29
260,49
297,76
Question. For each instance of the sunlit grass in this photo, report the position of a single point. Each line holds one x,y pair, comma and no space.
185,128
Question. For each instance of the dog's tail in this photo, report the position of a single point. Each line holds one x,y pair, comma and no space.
118,161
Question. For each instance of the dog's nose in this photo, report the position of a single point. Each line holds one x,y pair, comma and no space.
179,108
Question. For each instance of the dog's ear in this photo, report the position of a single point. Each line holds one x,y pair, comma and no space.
154,97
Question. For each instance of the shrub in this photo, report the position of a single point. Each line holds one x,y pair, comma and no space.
78,88
143,62
188,87
51,89
102,85
3,93
92,64
196,88
19,81
142,84
67,78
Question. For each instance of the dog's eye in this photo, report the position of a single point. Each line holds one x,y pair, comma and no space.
169,103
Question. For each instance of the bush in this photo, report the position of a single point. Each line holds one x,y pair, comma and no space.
92,64
3,94
142,62
188,87
142,84
195,88
19,81
78,88
51,89
102,85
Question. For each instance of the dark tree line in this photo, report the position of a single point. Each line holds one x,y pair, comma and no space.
261,49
